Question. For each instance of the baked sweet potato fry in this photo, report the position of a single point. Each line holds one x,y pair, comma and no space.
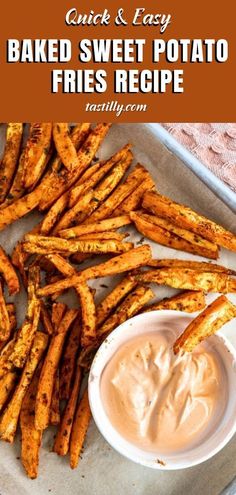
200,266
11,154
55,403
100,193
125,262
130,306
9,419
135,258
30,437
45,319
79,429
36,152
56,183
103,236
111,301
191,237
7,385
107,208
70,216
186,218
64,145
69,359
88,313
166,238
62,440
188,301
26,333
133,201
99,227
183,278
44,245
5,328
8,272
58,311
78,135
207,323
18,209
17,189
48,373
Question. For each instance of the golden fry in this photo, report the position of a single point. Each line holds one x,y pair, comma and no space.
48,373
62,440
103,236
30,437
201,266
189,301
55,403
110,302
181,278
166,238
120,194
5,328
7,384
70,216
133,201
17,189
11,153
88,313
191,237
207,323
125,262
69,359
79,429
64,145
99,227
8,272
9,419
188,219
36,153
44,245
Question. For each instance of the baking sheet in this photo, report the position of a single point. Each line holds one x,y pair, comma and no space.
101,470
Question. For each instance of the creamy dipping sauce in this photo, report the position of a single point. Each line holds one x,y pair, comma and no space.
162,402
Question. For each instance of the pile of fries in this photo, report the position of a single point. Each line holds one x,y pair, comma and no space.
43,364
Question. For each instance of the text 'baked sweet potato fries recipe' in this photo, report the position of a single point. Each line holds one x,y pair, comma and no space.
87,212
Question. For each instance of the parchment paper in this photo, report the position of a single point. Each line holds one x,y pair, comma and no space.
102,471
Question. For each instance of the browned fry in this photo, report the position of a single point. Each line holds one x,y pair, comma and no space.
115,236
61,264
207,323
191,237
8,273
7,384
125,262
130,306
17,189
69,359
55,404
36,153
91,181
88,313
103,226
181,278
54,213
19,257
118,196
101,192
58,311
26,333
30,437
166,238
5,364
188,301
188,219
43,245
45,318
133,201
12,315
111,301
11,153
62,440
48,373
9,419
70,216
78,135
5,328
64,145
55,184
201,266
79,429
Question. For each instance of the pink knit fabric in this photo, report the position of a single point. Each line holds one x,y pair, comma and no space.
213,144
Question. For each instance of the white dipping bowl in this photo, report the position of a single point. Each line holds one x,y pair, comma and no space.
147,323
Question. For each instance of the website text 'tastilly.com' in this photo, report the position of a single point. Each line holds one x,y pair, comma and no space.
116,107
